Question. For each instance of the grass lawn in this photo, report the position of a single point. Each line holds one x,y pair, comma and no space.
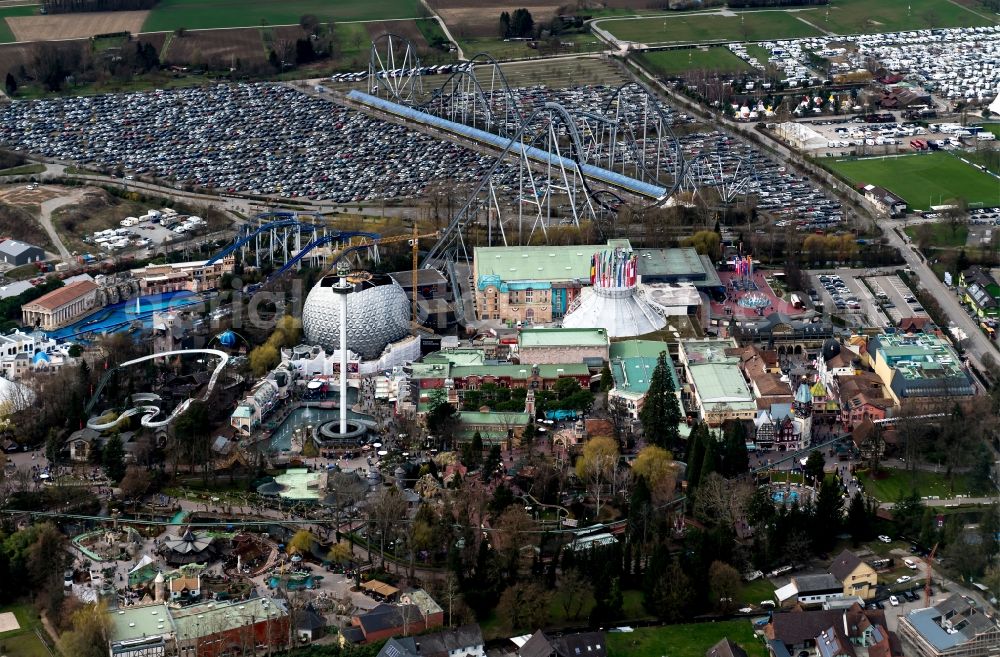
922,180
762,54
169,15
676,62
755,591
863,16
23,642
701,28
895,484
6,36
992,127
23,170
690,640
942,234
502,50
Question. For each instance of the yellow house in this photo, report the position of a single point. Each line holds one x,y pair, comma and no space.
859,579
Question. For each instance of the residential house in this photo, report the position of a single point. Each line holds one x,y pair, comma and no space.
884,201
725,648
951,628
584,644
464,641
790,632
857,577
982,291
809,590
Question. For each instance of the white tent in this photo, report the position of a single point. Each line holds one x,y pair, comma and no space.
995,105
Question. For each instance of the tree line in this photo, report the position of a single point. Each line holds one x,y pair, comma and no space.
75,6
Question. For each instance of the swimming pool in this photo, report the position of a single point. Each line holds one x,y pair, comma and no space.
779,496
281,439
119,316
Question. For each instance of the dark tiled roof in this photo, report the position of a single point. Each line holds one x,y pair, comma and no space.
844,564
537,646
584,644
441,644
725,648
387,617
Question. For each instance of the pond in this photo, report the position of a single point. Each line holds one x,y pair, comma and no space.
281,439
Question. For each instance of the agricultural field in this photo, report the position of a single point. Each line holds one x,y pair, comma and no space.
216,48
6,34
675,62
863,16
168,15
692,640
922,180
702,28
502,50
469,19
75,26
562,73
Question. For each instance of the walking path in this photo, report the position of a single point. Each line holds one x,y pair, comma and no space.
444,28
45,218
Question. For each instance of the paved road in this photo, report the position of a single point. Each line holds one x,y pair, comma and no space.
977,345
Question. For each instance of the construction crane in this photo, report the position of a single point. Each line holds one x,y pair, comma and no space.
929,560
414,241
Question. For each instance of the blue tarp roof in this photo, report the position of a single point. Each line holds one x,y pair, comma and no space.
610,177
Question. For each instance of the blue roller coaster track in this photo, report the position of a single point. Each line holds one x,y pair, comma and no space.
286,219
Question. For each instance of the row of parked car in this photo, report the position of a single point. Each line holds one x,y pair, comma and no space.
262,139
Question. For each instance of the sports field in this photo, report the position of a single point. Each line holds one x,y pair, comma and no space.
168,15
701,28
6,35
841,17
922,180
675,62
863,16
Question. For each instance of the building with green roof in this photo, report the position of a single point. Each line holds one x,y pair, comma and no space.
133,630
632,363
717,389
919,365
439,370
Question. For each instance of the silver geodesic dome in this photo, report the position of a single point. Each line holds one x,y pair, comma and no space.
378,313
